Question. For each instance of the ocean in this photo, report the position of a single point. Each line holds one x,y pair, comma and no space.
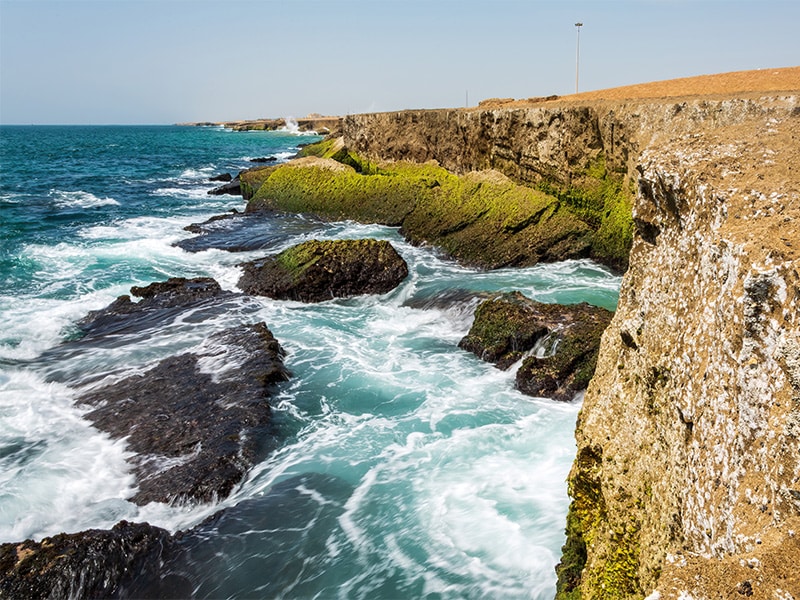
415,469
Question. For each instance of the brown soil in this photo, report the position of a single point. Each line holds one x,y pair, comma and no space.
785,79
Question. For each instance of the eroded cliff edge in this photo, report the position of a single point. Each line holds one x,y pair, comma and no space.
687,477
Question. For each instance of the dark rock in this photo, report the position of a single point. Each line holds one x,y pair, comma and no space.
197,422
233,187
221,177
505,328
559,343
243,232
264,159
178,290
158,303
570,368
124,562
320,270
203,227
227,555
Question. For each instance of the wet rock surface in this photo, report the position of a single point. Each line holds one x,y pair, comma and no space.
159,301
316,271
211,560
570,363
198,421
558,343
117,563
232,187
237,232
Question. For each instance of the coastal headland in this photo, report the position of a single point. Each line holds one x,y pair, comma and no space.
687,476
686,482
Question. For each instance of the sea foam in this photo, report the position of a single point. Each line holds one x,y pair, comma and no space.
80,199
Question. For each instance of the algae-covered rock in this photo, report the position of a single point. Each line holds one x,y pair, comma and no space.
251,179
320,270
333,190
504,329
574,358
483,219
559,343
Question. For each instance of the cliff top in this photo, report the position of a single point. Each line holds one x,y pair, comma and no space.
737,83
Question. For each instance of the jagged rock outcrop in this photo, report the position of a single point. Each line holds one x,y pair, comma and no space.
316,271
198,421
558,343
158,302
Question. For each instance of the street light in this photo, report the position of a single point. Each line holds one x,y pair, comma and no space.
577,53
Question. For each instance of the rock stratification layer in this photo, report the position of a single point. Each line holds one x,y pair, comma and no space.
687,477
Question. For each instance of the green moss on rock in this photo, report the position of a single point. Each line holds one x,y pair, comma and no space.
570,368
504,329
252,179
507,327
482,218
332,190
320,270
604,201
613,574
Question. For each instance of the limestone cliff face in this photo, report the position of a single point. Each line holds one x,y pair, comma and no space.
687,478
553,142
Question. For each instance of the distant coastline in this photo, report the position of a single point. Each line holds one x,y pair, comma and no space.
313,122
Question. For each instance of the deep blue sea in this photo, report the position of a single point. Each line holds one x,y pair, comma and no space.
447,483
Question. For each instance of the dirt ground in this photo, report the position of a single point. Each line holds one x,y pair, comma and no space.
785,79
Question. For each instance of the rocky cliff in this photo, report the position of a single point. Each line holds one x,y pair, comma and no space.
687,476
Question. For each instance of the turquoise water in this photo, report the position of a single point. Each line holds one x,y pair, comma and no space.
438,478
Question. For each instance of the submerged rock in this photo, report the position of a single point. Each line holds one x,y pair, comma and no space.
267,546
119,563
320,270
158,301
197,422
559,343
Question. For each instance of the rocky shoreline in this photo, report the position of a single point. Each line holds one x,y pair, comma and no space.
317,123
197,422
687,474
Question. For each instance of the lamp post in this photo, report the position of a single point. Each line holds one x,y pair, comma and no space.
577,53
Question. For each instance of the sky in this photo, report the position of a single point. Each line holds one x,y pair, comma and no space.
169,61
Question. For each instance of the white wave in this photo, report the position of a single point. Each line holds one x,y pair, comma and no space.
290,125
48,451
32,325
194,174
284,156
80,199
183,192
11,197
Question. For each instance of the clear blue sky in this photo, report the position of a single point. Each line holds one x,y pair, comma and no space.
166,61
